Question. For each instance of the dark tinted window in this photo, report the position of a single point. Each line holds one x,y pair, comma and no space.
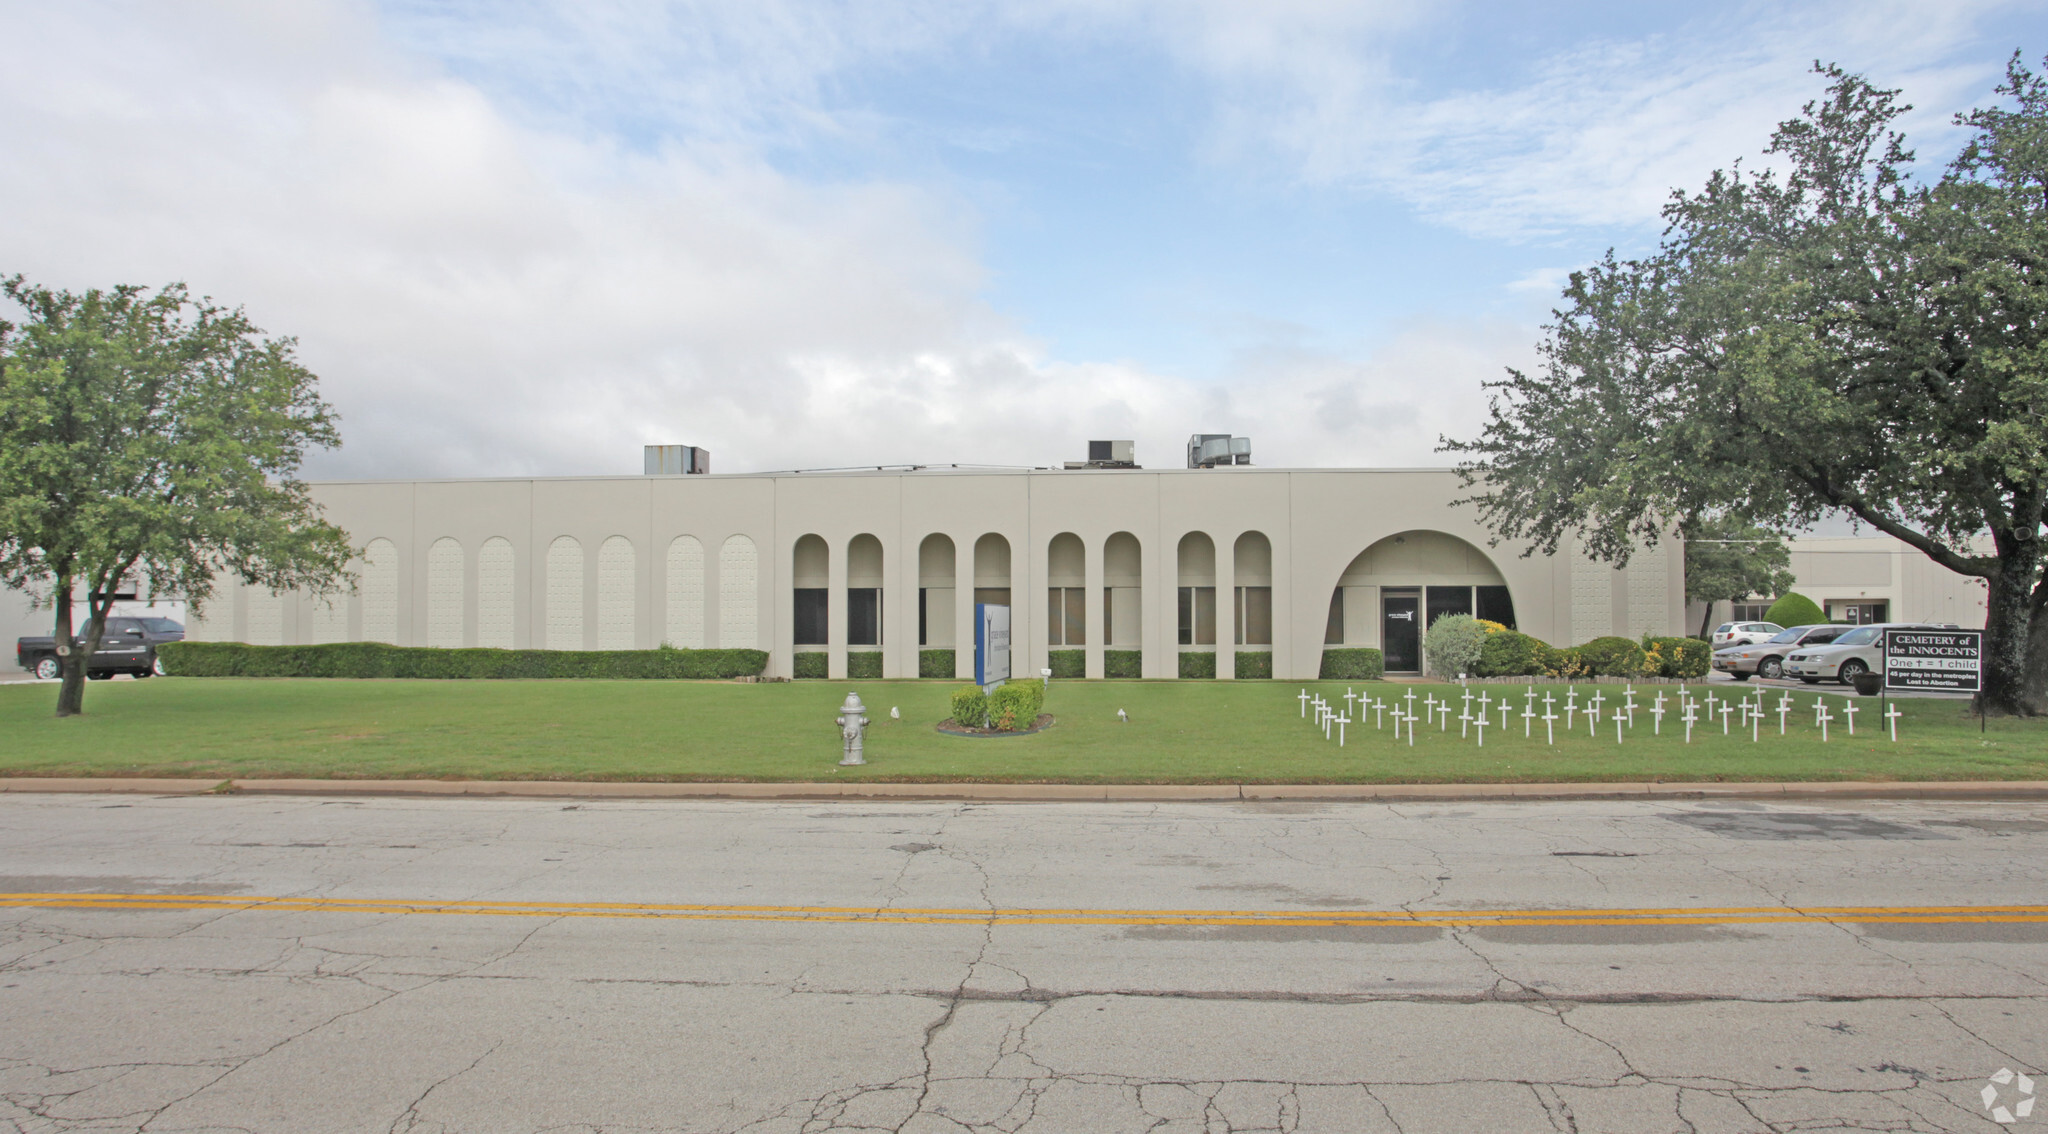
1446,600
1823,634
864,616
161,626
811,621
1496,606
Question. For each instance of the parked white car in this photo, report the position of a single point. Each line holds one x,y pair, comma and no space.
1859,651
1744,633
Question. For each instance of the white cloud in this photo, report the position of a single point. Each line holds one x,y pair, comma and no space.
484,294
1597,137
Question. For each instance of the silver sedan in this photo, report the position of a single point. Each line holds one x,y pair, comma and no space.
1767,658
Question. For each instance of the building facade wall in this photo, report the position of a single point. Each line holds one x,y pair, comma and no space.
1850,572
587,562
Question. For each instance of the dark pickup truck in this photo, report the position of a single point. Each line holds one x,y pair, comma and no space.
128,646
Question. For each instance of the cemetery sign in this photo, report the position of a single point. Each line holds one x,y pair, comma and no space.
1950,661
991,644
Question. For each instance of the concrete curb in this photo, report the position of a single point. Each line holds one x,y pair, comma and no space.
1050,793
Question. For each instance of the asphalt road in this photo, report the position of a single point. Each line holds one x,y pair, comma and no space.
308,965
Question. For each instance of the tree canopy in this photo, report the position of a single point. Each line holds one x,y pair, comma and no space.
159,436
1832,336
1728,559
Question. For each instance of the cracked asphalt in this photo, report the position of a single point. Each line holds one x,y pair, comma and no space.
321,964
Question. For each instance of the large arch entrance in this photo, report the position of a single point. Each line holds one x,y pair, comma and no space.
1398,586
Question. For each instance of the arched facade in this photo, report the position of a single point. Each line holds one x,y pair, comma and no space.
1389,593
1130,566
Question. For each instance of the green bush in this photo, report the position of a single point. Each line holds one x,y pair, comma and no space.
1452,643
1795,609
1254,664
1567,663
1677,657
864,664
1614,656
375,659
1015,705
1198,665
1068,663
1123,663
809,664
935,663
1353,663
970,707
1510,653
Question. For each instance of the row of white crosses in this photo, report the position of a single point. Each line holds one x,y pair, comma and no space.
1473,724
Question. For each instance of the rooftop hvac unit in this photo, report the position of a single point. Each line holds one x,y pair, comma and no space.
1108,455
669,460
1211,450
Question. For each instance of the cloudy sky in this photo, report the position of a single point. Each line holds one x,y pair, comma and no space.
530,236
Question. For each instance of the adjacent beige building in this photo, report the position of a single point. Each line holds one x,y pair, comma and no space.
1229,560
1865,579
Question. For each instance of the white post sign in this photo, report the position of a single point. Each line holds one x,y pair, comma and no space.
1949,660
991,644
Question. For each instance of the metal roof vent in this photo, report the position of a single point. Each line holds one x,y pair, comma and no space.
668,460
1108,455
1216,450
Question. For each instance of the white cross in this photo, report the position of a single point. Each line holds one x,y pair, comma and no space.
1341,722
1529,716
1379,722
1822,718
1485,699
1549,729
1505,709
1468,696
1329,716
1657,716
1443,711
1689,718
1710,704
1619,716
1849,712
1349,697
1570,695
1397,720
1784,706
1481,722
1756,719
1464,722
1891,716
1411,702
1631,692
1726,709
1303,698
1411,730
1593,714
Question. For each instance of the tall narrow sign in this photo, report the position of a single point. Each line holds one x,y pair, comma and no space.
1951,661
991,644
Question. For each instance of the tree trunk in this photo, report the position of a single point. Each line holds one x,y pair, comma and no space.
1706,619
71,664
2009,627
2034,694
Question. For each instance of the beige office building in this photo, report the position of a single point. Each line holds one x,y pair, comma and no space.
1863,579
1223,560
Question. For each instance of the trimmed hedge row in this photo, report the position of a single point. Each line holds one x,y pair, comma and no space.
1254,664
375,659
1068,663
935,663
1123,663
810,663
1353,664
864,664
1198,665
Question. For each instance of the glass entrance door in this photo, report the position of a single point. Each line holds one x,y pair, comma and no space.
1400,633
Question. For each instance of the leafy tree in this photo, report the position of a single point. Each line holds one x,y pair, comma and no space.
152,435
1834,337
1728,560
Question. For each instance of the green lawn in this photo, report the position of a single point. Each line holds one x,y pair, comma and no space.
1179,732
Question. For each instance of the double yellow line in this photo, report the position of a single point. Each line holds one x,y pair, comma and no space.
1454,919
